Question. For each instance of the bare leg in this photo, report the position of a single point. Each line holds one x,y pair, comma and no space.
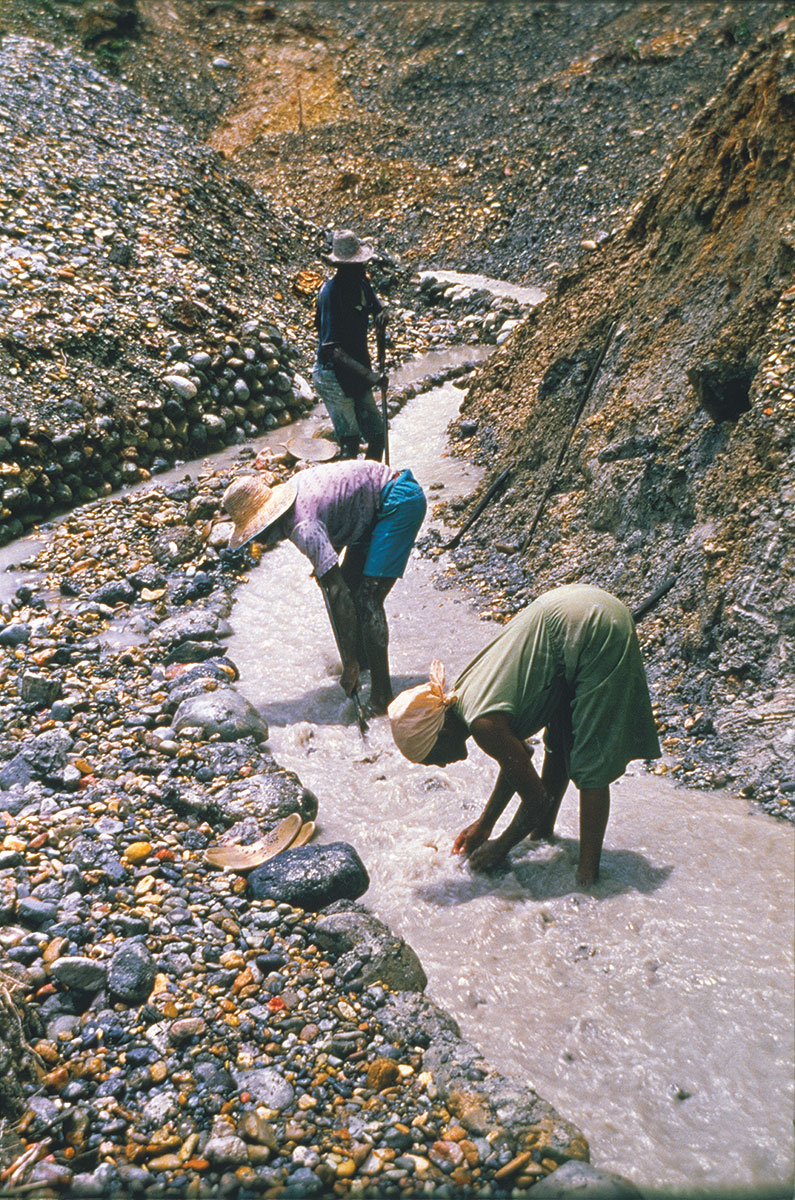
555,779
352,565
375,636
594,812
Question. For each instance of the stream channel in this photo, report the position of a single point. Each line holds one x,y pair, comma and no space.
655,1011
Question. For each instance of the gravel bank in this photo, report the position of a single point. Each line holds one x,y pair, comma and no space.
178,1034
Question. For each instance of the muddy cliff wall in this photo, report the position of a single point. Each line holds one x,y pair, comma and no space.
682,461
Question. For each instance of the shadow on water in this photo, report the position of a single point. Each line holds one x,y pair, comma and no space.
327,704
544,878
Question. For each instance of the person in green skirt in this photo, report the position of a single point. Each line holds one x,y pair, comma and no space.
569,664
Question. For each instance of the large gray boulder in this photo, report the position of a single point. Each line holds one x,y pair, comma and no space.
367,949
224,712
580,1181
310,877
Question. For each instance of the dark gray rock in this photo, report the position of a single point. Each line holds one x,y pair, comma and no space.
116,591
45,1113
311,877
198,625
198,679
222,670
13,801
303,1182
38,914
42,757
224,712
268,798
580,1181
90,855
15,634
80,974
193,652
353,934
266,1086
147,577
131,974
39,690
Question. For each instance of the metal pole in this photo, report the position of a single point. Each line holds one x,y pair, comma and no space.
380,338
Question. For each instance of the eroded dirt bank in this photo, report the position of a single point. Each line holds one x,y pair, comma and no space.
681,462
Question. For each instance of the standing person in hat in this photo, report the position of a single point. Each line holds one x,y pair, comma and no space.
569,664
368,509
343,375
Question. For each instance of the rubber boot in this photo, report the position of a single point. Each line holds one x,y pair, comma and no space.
349,447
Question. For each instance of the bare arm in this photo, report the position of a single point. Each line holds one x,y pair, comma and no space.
344,623
479,831
494,735
339,356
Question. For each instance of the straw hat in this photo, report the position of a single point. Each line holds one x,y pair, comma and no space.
311,449
253,506
346,247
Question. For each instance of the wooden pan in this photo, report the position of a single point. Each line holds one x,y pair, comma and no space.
243,858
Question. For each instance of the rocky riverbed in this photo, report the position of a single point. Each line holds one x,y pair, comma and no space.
154,306
182,1030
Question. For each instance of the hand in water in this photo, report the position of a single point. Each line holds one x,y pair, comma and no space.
468,840
487,857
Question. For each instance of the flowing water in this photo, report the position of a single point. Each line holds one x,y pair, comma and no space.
655,1012
528,296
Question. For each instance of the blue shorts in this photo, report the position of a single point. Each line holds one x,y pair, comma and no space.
403,506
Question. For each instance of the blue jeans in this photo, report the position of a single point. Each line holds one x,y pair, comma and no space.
358,419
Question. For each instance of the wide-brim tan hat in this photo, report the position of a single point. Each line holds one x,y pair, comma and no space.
346,247
253,506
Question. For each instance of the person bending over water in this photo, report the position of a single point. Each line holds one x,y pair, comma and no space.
370,511
569,664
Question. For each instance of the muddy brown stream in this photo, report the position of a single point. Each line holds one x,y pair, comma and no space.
654,1012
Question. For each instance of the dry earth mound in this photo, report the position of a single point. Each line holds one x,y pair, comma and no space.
477,136
682,460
